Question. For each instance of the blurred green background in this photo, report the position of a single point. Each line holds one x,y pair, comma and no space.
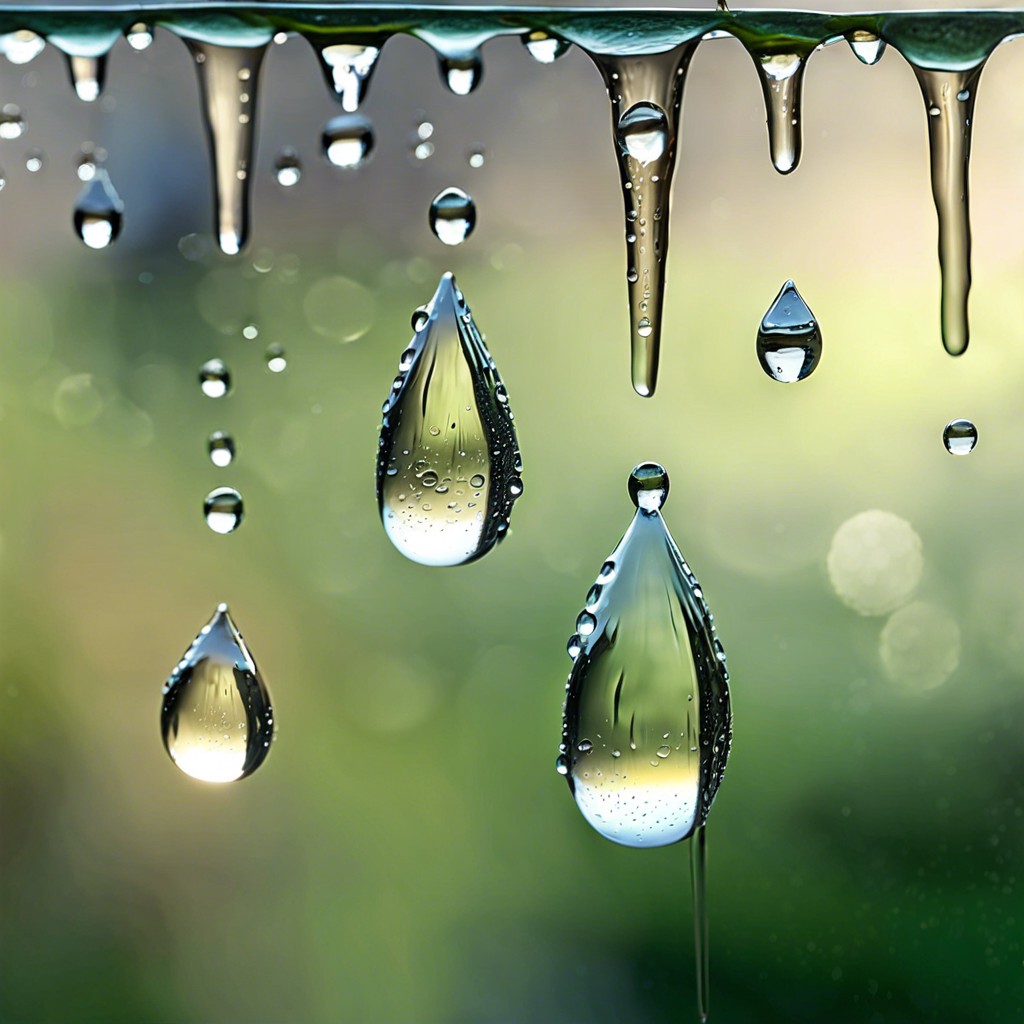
408,853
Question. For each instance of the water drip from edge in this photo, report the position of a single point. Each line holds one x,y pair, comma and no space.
651,82
782,77
348,65
949,101
228,82
88,75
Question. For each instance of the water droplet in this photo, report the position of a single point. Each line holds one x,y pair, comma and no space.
788,340
216,719
782,76
89,158
452,216
221,447
348,68
544,48
87,76
99,211
250,331
643,132
423,150
652,646
584,746
960,437
223,510
276,360
348,141
949,141
22,46
562,764
34,161
462,74
420,316
288,168
447,380
139,36
214,378
866,45
476,157
12,124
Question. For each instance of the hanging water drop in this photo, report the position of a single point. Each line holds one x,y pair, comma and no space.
216,718
646,92
960,437
348,68
34,160
347,141
275,358
949,140
452,216
99,212
229,86
288,168
214,378
782,76
462,73
139,36
22,46
87,76
866,45
788,340
448,464
647,723
12,124
221,448
544,48
223,510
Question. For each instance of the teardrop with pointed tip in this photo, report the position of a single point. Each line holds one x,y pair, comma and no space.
647,722
788,340
867,47
348,68
216,719
448,463
99,212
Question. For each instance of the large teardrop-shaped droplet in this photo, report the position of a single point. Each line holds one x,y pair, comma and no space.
99,212
788,340
448,464
647,724
782,76
216,719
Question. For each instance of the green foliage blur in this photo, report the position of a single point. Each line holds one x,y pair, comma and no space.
408,853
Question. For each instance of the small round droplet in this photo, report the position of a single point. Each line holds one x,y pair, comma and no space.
642,132
462,74
277,362
288,168
214,378
476,480
585,623
348,140
452,216
544,48
250,331
574,646
34,160
562,764
648,486
139,36
12,124
89,159
221,448
223,510
476,157
960,437
584,746
663,751
420,316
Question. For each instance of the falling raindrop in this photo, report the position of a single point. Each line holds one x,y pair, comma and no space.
788,340
462,73
348,68
544,48
12,124
22,46
34,161
452,216
448,463
960,437
347,140
782,76
223,510
476,157
139,36
648,695
89,158
276,360
214,378
288,167
216,719
99,212
221,448
866,45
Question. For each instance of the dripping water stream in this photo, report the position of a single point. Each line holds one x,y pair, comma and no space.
698,883
949,101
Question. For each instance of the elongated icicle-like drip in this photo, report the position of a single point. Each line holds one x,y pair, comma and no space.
87,76
348,64
228,80
949,101
646,93
699,885
782,78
